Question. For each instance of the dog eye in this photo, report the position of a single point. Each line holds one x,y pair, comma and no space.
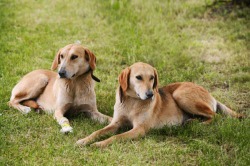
138,77
152,77
61,56
73,57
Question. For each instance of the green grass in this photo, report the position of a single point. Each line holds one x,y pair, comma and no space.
184,40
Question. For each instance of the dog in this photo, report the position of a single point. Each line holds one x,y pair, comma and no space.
142,105
72,88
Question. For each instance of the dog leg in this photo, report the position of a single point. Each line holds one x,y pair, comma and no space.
31,104
63,121
15,104
227,111
98,116
111,128
204,110
30,87
195,103
131,134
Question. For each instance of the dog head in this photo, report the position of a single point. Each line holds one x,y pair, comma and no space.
74,60
139,81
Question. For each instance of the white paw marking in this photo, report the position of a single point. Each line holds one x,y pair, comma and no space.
26,110
67,129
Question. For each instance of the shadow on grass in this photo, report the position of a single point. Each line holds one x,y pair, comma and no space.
220,131
224,8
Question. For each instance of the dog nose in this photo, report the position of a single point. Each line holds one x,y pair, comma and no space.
149,94
62,73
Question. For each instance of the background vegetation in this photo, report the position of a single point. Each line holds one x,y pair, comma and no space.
185,40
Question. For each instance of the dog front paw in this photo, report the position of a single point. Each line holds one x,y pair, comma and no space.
66,129
101,144
83,142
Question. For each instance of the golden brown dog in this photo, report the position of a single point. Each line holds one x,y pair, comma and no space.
140,103
71,89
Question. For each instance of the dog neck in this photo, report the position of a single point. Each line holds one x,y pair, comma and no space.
92,75
85,77
84,81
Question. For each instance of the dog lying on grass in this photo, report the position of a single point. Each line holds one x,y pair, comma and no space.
71,89
141,104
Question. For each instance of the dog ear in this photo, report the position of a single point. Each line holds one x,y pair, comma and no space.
124,82
155,85
90,57
56,61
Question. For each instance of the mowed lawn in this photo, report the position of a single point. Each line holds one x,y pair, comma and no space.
184,40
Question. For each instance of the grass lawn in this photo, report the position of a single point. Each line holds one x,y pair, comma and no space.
183,40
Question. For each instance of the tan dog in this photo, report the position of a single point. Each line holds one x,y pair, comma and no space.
71,89
141,104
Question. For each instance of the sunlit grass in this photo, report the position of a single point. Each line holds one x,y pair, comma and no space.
183,40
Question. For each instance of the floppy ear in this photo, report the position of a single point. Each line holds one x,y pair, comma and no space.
56,61
155,85
90,57
124,82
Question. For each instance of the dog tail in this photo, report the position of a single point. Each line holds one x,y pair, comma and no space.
227,111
